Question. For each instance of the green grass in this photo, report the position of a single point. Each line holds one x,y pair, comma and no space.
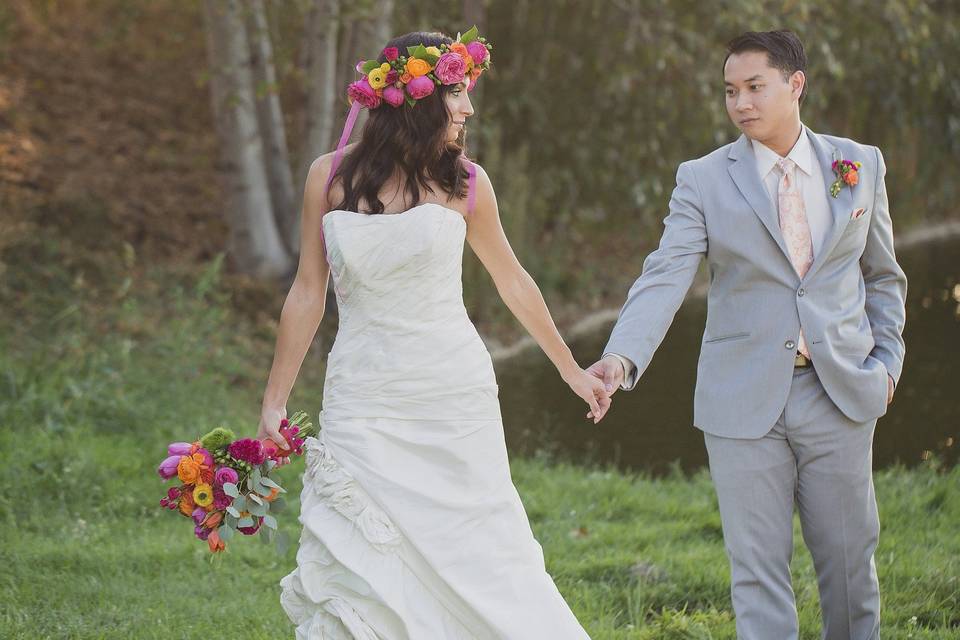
94,384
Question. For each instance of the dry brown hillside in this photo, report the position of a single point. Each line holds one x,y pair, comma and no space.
105,126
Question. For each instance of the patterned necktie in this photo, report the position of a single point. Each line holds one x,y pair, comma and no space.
794,225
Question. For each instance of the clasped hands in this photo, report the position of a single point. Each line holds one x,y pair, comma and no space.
596,385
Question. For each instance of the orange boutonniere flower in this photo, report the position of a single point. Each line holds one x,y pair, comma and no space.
848,173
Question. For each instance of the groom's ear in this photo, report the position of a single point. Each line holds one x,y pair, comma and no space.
798,84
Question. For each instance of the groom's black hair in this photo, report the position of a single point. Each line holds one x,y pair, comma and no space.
784,51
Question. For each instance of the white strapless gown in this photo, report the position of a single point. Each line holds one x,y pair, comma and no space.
412,528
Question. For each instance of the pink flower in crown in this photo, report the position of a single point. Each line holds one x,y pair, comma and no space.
393,96
391,54
420,87
477,51
392,76
450,68
361,91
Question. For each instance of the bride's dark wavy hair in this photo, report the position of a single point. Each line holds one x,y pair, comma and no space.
412,140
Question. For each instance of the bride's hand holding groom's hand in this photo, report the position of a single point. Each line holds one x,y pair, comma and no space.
608,372
590,389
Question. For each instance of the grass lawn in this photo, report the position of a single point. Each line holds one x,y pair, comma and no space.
89,398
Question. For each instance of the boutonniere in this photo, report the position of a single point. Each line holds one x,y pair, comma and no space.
848,173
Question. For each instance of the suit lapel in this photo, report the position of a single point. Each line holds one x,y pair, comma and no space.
743,170
840,207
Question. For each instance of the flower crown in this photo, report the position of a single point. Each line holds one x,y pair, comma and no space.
415,76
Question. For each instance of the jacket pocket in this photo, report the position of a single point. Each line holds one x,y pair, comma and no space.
732,336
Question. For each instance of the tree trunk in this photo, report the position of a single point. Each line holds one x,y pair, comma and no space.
321,66
255,244
272,129
475,13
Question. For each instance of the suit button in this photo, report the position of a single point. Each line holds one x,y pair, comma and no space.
790,344
801,292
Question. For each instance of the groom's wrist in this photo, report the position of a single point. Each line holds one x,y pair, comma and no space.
626,366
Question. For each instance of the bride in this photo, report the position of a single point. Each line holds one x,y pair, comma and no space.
412,527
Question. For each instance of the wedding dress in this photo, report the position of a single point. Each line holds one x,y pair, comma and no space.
412,528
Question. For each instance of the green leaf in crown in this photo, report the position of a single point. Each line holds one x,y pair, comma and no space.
470,35
369,66
418,51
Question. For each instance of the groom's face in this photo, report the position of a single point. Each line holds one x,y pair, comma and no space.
760,101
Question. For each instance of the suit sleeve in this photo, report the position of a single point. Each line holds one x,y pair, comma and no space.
666,277
885,282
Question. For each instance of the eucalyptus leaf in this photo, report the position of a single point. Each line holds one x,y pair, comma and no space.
267,482
240,503
256,476
270,521
263,491
258,509
233,511
230,521
225,533
264,535
278,505
245,522
255,498
231,489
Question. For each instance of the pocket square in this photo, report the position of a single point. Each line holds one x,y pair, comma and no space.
856,214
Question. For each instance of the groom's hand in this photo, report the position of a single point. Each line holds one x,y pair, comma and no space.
610,371
890,388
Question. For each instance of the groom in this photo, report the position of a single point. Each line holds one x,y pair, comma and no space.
802,348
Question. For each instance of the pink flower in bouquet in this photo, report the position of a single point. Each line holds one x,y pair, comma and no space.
477,51
450,68
220,499
249,531
224,475
248,450
179,449
168,468
420,87
199,514
201,532
362,92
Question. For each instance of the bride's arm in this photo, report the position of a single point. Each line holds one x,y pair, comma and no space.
522,295
303,308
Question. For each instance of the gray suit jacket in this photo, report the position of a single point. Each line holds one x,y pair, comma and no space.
851,303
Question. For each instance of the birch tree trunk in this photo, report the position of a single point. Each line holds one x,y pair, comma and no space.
475,13
272,129
255,245
321,64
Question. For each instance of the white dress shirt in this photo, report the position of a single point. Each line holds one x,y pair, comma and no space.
812,187
810,181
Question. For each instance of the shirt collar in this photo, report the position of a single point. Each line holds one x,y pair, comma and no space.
802,154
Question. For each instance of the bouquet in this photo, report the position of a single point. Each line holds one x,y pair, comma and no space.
225,484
